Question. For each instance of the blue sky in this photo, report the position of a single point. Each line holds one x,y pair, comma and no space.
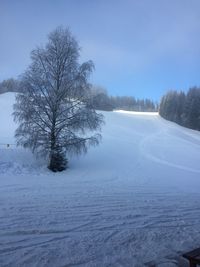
141,48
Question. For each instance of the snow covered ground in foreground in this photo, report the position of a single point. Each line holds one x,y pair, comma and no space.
132,200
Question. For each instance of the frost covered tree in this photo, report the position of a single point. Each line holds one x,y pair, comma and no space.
54,110
9,85
191,114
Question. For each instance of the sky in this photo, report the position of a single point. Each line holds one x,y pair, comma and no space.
140,48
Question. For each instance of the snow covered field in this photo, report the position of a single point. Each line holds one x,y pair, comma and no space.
130,201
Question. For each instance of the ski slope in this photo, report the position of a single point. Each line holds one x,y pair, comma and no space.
131,201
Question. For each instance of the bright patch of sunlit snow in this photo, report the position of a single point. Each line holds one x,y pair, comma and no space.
137,112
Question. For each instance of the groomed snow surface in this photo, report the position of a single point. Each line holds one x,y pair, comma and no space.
131,201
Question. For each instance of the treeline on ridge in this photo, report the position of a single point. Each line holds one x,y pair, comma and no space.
100,100
9,85
182,108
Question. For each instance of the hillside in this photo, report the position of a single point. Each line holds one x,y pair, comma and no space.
131,200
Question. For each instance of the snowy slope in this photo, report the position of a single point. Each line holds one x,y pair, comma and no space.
132,200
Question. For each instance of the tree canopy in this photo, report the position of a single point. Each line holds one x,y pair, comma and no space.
182,108
54,110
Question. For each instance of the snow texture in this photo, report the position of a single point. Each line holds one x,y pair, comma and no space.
132,201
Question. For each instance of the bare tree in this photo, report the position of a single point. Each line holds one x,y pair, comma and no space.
54,110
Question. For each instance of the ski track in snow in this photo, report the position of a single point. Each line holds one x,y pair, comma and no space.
134,200
151,156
